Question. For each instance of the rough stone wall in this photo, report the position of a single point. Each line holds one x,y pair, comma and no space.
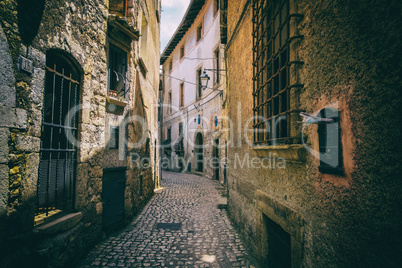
78,29
351,57
60,26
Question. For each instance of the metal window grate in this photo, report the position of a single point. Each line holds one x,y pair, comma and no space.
58,155
271,72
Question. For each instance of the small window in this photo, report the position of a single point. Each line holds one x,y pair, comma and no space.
199,32
169,133
170,102
217,64
117,72
114,138
170,66
181,130
199,90
181,51
181,94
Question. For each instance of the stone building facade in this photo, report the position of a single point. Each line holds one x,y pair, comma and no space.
192,118
314,87
78,125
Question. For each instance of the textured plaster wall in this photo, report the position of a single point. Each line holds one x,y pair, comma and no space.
351,59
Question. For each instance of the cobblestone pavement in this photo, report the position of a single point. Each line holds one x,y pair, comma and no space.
206,238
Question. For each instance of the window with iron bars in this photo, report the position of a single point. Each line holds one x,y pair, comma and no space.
271,72
56,172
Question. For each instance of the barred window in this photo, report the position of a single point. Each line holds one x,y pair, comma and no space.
58,151
271,72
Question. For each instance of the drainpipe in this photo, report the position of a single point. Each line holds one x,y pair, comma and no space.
161,126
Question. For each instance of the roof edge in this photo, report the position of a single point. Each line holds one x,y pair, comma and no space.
189,17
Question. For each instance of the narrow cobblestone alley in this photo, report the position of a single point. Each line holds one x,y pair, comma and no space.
201,236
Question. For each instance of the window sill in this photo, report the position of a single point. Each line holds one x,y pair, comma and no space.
60,225
292,153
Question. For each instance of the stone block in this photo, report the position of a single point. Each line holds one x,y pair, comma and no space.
61,224
3,190
30,176
4,135
37,86
14,118
96,171
36,123
27,143
99,208
7,85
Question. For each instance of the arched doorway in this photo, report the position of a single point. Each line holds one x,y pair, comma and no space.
199,153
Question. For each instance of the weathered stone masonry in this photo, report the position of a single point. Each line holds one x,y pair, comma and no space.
79,31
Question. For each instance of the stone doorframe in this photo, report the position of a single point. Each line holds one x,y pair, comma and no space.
284,216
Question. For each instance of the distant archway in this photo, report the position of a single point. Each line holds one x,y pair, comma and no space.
199,153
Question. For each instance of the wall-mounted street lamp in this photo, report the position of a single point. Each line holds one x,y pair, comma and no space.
204,78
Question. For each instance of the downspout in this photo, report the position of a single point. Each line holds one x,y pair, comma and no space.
161,126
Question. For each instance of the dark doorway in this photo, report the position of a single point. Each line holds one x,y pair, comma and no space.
279,250
216,159
225,165
199,165
180,148
113,186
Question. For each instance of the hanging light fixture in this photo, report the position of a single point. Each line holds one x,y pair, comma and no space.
204,78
